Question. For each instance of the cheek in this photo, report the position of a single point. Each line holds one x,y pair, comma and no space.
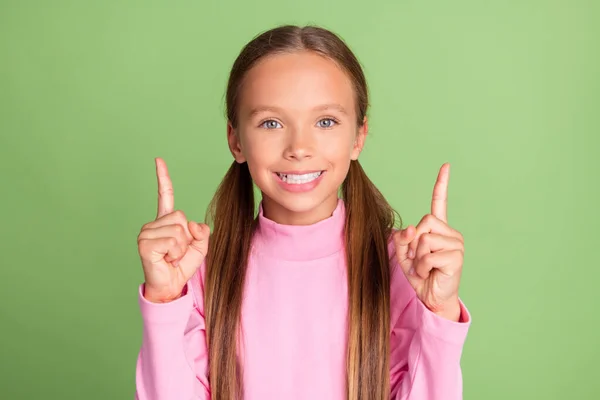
339,149
261,155
251,144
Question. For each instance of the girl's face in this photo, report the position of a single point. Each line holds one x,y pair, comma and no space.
297,131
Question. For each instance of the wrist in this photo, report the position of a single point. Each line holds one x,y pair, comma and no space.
155,296
450,310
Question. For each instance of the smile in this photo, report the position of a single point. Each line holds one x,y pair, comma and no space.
299,179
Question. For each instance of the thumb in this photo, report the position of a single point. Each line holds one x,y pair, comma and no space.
197,249
200,232
402,239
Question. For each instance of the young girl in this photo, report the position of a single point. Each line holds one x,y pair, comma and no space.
315,296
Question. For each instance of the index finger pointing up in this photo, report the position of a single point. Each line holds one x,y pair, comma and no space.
439,201
166,200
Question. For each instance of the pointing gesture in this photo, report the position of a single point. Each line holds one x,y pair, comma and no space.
439,201
166,198
431,254
170,247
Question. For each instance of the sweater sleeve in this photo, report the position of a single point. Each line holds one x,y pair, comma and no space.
425,349
173,359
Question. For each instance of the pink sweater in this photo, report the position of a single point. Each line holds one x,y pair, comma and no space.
294,327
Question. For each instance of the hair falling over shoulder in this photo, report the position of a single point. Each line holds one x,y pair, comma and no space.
369,222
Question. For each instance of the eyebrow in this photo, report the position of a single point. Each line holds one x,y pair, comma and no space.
324,107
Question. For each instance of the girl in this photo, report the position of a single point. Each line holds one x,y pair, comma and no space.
315,296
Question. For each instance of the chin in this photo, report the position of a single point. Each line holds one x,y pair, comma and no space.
300,204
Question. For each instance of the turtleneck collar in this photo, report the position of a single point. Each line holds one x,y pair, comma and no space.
301,242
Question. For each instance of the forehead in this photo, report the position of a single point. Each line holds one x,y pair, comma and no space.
297,82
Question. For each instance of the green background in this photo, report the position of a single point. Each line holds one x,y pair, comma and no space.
506,91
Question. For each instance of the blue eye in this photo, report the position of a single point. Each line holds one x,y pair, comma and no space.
326,123
270,124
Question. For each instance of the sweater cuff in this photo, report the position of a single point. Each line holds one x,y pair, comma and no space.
444,329
165,313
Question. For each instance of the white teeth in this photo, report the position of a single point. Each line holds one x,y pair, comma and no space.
299,179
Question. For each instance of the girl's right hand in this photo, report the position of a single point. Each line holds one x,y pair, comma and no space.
170,247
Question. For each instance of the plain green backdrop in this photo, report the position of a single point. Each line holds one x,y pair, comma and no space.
506,91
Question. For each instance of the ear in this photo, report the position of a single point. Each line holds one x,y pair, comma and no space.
234,144
359,142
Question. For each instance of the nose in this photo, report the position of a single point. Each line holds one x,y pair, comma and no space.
300,146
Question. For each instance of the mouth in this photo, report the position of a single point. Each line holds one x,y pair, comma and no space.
299,178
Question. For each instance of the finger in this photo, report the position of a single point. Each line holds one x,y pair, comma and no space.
166,199
432,242
439,201
155,250
197,249
402,239
447,262
175,218
175,231
431,224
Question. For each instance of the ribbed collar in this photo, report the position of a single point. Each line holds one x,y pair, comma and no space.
300,242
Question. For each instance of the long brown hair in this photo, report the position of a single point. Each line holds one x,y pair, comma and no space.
369,222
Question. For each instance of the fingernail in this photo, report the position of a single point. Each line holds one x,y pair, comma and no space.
411,271
411,253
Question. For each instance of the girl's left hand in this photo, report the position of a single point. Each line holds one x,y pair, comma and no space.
431,255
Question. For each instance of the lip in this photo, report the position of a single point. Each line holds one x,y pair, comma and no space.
299,187
312,171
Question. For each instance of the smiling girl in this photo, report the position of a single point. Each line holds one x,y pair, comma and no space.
315,296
